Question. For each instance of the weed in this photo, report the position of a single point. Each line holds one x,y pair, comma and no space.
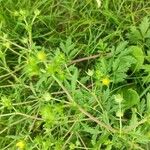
74,74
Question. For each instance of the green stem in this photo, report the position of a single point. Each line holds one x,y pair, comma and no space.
109,128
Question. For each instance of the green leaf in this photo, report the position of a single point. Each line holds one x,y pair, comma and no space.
147,34
134,34
91,130
148,102
144,26
131,98
74,80
69,48
121,47
148,56
146,68
134,118
138,54
120,67
146,78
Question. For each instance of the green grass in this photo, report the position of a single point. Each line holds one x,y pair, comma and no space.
74,75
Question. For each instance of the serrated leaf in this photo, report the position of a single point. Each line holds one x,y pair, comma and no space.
103,65
135,35
121,47
120,67
69,48
138,54
144,26
141,106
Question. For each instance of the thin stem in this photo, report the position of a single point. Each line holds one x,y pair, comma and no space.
120,119
84,59
109,128
21,114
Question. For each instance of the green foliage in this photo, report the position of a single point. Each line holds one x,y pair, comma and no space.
142,32
146,68
119,64
122,63
137,52
69,49
74,75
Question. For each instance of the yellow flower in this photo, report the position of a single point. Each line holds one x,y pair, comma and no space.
41,55
20,145
106,81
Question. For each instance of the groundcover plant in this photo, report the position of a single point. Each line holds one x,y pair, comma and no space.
74,74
